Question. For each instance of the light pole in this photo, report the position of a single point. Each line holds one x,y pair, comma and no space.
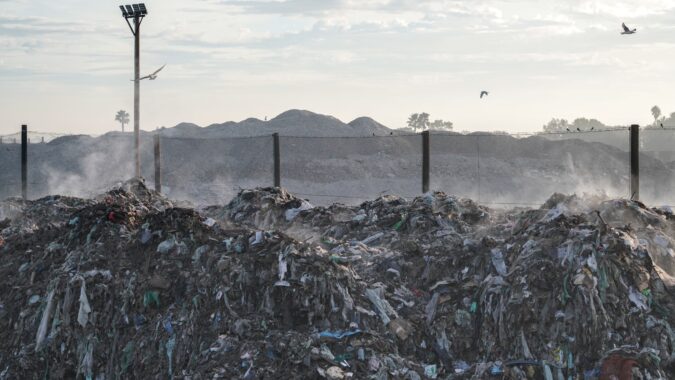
136,12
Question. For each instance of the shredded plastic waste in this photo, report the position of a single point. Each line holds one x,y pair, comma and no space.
432,287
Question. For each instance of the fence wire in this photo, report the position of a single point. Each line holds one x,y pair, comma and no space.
349,170
506,170
526,170
214,170
657,163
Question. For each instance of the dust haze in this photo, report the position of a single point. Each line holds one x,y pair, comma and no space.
325,160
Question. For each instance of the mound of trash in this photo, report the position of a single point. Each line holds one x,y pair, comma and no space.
129,285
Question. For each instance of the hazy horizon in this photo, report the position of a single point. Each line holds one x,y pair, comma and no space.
67,67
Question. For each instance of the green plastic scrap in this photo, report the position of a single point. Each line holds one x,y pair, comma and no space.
338,260
170,345
150,297
127,356
474,307
570,365
566,295
400,223
431,371
648,294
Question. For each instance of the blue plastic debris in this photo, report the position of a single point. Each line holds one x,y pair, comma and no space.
339,335
168,327
496,370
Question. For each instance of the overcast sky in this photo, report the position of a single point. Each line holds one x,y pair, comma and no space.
65,66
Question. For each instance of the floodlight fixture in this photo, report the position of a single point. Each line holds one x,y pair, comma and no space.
134,10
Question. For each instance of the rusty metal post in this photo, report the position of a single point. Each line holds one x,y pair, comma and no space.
635,162
277,161
24,162
425,161
158,165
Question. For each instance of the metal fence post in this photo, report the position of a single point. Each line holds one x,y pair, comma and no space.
277,161
24,161
635,162
158,165
425,161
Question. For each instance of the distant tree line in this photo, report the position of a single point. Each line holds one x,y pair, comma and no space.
420,121
584,124
580,124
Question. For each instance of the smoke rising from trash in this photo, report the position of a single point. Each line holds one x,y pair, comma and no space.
492,169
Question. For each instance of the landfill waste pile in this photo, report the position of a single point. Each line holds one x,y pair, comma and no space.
129,285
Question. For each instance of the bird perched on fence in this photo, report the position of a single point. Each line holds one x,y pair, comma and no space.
483,93
153,76
627,30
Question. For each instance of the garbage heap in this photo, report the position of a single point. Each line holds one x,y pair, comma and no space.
579,288
128,285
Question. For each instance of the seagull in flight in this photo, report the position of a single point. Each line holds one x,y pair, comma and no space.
627,30
483,93
153,76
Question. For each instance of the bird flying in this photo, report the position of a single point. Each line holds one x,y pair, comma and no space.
483,93
153,76
627,30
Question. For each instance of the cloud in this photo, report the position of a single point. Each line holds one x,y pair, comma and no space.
624,9
428,48
25,26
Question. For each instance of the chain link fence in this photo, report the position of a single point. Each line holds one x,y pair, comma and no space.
351,169
494,169
657,164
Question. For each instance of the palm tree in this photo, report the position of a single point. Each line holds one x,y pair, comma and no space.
122,117
656,112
